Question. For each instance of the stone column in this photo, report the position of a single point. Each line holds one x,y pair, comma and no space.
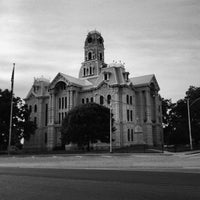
141,109
68,100
148,125
71,99
50,110
148,106
51,129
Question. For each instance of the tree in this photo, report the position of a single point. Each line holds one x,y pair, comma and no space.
22,127
86,124
175,118
167,113
193,94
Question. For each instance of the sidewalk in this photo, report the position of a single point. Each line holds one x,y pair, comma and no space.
139,161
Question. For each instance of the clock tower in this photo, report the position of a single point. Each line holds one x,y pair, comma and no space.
93,55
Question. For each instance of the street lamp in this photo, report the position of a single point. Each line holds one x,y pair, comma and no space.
110,127
189,121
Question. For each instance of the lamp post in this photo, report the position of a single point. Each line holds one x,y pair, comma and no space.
189,121
110,127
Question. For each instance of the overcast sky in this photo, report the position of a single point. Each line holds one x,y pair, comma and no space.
44,37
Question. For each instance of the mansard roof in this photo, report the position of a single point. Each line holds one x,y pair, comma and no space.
145,80
42,83
117,78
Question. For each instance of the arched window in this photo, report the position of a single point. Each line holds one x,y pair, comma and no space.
87,100
90,70
101,100
84,72
83,101
35,108
91,100
89,56
108,99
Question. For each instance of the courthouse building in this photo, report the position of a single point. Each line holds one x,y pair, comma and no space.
135,101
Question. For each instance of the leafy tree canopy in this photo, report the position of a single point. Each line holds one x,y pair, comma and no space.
86,124
22,127
175,118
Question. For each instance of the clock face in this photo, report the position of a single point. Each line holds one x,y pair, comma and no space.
89,40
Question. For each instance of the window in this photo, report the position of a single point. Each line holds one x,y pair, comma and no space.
62,115
65,102
126,75
46,114
91,100
127,115
84,72
30,108
87,100
131,100
105,76
59,103
127,99
35,108
59,118
131,134
128,135
100,56
90,70
45,138
108,99
62,102
83,101
101,100
131,115
89,56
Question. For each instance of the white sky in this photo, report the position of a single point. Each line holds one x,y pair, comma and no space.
44,37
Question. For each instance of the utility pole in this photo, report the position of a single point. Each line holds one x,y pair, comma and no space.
11,109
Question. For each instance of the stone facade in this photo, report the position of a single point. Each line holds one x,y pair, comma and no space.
135,102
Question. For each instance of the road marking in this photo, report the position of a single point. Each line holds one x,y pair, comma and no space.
78,156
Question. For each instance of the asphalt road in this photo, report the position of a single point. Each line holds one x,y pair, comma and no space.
53,184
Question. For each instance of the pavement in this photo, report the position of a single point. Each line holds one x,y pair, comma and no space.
77,184
167,161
